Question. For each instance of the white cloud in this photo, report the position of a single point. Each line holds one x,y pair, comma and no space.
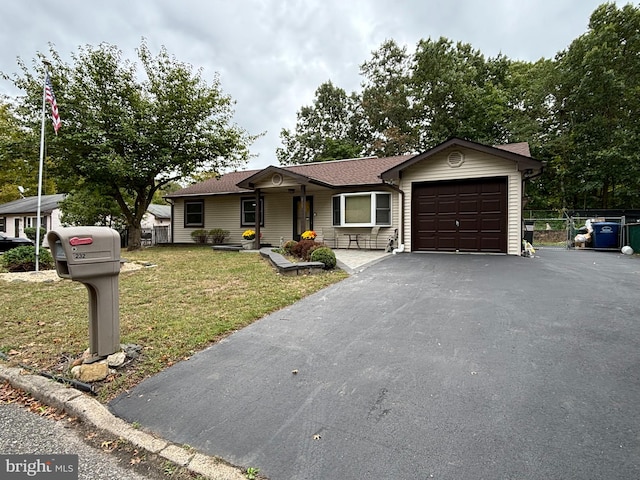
273,55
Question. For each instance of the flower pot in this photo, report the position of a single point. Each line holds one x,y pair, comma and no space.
247,244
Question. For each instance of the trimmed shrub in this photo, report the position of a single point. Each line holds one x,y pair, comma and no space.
302,248
326,256
289,246
30,233
23,259
217,235
199,236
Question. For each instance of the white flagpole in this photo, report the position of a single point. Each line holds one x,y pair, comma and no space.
40,168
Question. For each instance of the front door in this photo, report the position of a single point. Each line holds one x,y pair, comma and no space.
302,223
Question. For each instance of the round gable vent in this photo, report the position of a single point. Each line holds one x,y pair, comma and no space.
455,159
276,179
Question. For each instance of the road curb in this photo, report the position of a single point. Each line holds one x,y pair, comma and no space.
90,411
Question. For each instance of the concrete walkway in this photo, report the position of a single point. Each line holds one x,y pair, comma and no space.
353,260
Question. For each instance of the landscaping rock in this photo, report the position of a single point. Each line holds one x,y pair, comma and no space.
91,372
116,360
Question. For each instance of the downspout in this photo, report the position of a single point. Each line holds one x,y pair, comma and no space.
172,203
400,247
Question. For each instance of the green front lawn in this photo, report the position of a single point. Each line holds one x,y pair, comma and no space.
192,297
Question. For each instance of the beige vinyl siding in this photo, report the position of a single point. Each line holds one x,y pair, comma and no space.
323,220
476,165
223,211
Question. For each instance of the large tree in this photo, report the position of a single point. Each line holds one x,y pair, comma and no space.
459,93
598,98
324,130
387,102
19,158
129,133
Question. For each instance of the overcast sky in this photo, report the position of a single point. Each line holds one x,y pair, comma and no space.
273,54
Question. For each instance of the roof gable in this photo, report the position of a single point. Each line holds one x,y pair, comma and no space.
354,172
517,152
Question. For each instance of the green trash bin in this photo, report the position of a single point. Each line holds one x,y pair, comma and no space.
633,236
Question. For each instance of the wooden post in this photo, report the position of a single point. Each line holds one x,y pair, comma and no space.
303,208
256,242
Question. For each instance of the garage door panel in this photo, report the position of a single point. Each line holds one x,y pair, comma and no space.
490,206
469,207
466,215
491,225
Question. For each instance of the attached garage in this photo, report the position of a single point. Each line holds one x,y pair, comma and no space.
464,197
460,216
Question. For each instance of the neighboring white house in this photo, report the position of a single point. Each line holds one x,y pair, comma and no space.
156,224
19,214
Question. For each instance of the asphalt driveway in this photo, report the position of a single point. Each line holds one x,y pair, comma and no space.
424,366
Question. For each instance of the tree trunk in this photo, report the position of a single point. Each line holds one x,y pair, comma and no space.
135,237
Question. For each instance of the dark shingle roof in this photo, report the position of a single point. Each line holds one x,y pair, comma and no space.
30,204
521,148
339,173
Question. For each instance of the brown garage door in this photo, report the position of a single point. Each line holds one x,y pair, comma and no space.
461,215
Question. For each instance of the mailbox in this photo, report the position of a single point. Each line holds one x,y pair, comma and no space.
91,256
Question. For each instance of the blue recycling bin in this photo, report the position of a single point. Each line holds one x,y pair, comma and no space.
606,235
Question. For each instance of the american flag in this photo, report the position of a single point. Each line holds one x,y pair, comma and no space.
51,98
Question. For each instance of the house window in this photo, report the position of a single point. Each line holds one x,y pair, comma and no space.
32,222
194,214
362,209
3,224
248,212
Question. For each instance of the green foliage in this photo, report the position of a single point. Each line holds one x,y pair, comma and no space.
131,132
289,246
252,472
577,111
200,236
217,235
30,233
23,259
326,256
598,98
388,124
324,131
91,205
19,156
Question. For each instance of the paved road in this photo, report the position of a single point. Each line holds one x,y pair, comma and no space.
24,432
425,366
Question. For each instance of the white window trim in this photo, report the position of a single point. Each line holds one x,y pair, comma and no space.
372,214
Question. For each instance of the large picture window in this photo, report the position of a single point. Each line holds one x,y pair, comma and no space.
362,209
194,213
248,212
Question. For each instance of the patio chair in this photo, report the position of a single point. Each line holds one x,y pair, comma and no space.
327,236
372,238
